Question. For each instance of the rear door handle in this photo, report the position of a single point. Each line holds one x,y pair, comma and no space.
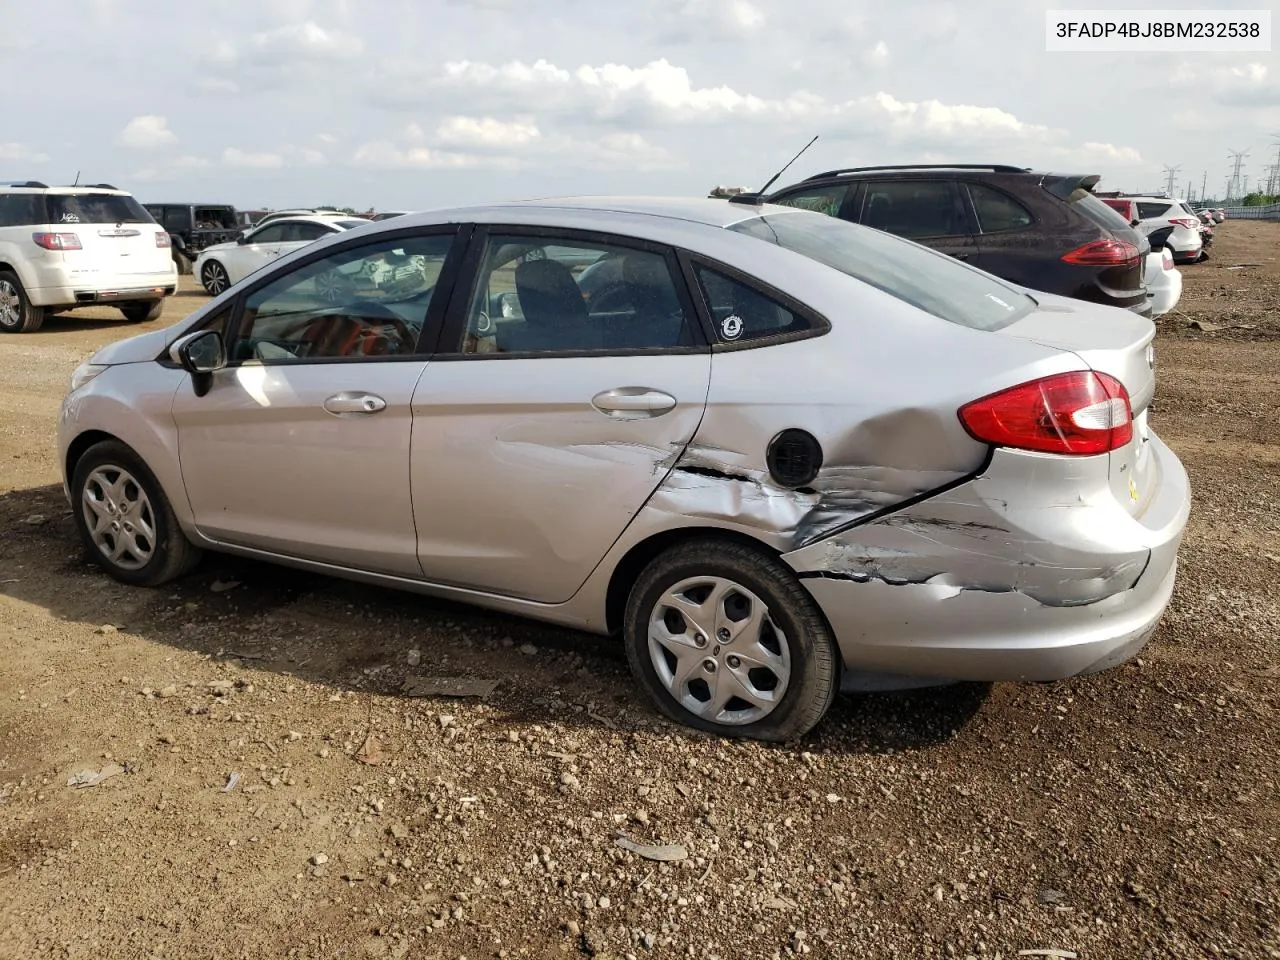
353,402
633,403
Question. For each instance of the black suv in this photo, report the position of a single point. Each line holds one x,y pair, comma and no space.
194,226
1039,230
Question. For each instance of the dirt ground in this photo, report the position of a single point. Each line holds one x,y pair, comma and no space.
1131,814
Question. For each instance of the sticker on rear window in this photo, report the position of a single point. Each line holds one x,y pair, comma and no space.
70,218
731,327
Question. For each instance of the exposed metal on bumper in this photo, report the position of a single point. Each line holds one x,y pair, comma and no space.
971,586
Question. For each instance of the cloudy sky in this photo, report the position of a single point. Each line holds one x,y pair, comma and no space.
409,104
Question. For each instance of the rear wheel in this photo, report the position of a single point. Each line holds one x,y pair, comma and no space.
125,519
182,261
142,312
17,313
724,638
213,276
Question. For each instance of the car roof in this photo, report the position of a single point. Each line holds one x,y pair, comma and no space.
89,188
593,209
307,218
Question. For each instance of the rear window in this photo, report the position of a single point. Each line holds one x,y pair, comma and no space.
95,208
931,281
215,218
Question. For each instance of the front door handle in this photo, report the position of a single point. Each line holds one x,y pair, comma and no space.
633,403
354,402
961,256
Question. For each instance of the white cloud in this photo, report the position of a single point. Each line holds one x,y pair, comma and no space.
386,155
326,138
414,133
190,162
217,85
303,41
146,132
311,157
878,55
485,132
235,157
21,153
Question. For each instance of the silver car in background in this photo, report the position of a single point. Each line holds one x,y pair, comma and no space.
766,448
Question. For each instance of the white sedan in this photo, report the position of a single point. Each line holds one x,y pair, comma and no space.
223,264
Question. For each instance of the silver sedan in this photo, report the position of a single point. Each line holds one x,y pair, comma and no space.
773,452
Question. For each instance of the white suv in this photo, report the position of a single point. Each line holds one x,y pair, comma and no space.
1154,213
65,247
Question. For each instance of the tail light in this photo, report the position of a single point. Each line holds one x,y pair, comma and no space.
162,239
57,241
1185,222
1166,260
1104,253
1077,413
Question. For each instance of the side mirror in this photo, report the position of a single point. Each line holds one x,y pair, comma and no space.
1134,223
201,354
241,238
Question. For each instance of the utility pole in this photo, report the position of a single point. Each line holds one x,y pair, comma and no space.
1170,173
1204,182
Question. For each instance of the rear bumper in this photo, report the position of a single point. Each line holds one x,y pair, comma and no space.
74,295
971,586
1166,292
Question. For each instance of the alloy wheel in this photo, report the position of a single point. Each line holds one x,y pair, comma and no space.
718,652
215,278
10,304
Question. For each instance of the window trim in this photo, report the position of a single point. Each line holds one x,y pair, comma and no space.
449,343
427,336
970,226
819,325
971,206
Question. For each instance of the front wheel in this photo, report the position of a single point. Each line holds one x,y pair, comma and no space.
724,638
125,519
213,276
143,312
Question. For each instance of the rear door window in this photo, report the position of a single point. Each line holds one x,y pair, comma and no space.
915,208
740,313
95,208
997,211
215,218
1153,211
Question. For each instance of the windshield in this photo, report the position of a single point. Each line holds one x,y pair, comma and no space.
95,208
913,273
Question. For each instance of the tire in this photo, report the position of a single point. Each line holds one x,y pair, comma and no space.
17,313
182,261
214,278
143,311
143,561
794,645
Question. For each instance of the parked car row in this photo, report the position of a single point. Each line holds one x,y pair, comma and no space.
1173,222
776,453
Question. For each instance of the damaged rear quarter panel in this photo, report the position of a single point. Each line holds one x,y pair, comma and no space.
880,393
1031,524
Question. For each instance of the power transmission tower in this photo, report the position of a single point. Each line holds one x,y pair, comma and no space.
1233,190
1170,173
1273,182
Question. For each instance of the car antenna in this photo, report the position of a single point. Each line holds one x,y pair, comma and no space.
77,183
757,198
